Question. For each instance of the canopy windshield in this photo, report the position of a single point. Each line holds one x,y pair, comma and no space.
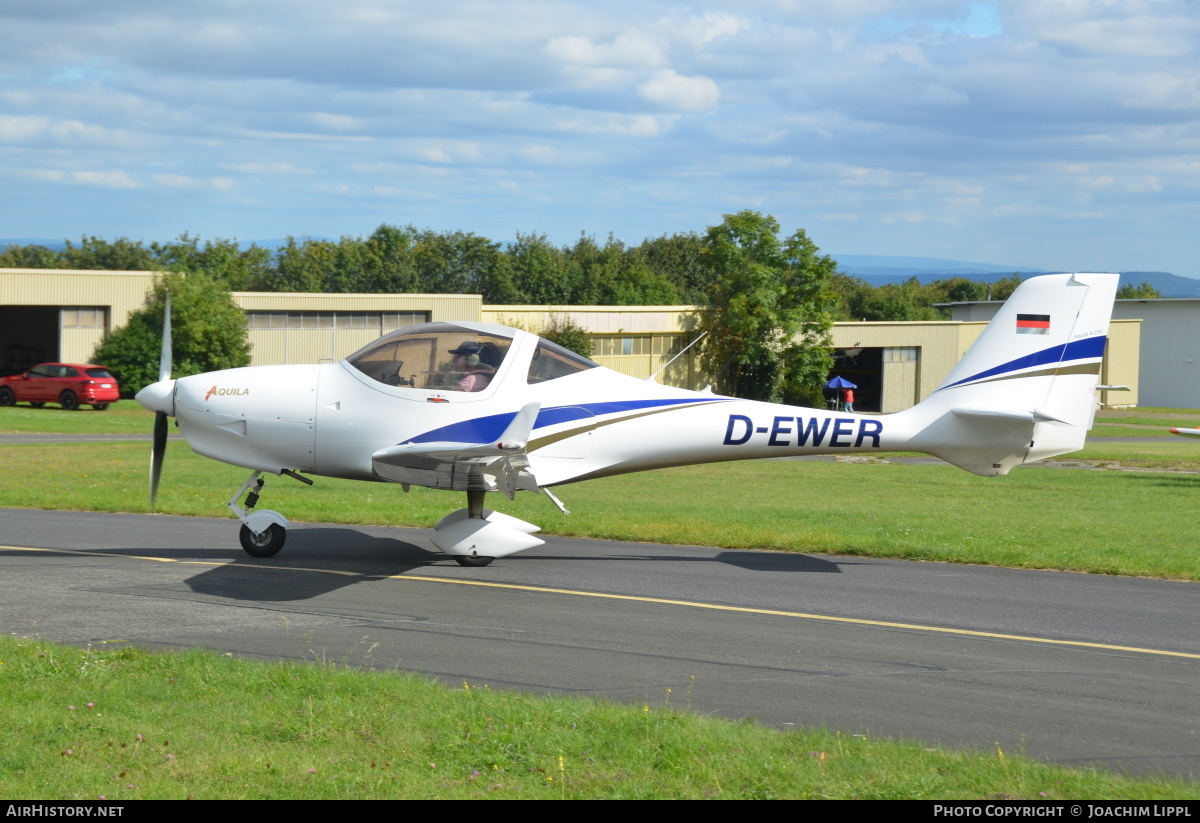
552,361
441,356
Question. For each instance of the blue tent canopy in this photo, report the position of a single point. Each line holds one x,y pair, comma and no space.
841,383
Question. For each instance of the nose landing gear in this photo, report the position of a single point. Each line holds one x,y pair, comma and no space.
263,532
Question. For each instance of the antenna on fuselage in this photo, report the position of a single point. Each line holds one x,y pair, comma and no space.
651,379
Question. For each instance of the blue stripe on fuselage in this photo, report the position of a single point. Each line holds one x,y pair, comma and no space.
1078,350
488,429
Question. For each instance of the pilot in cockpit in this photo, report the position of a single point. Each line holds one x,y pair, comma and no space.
477,363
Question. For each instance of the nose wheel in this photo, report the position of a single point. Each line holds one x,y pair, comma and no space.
266,544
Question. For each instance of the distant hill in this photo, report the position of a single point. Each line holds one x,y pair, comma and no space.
879,270
1168,285
53,245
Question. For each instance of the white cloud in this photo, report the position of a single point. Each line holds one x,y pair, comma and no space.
1114,29
105,179
182,181
22,129
700,31
17,98
904,217
175,181
268,168
434,155
450,152
629,49
335,122
47,175
674,91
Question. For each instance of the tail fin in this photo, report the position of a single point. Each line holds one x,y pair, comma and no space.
1025,390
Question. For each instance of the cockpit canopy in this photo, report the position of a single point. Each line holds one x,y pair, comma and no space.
452,357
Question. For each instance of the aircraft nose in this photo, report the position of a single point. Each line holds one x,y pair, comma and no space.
158,397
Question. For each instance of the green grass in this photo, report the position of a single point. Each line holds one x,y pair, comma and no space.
1118,430
1109,522
1143,421
1150,417
1171,453
125,724
124,417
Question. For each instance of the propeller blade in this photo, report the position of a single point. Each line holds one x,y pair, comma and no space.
157,450
159,447
164,360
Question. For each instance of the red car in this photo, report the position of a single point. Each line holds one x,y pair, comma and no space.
68,384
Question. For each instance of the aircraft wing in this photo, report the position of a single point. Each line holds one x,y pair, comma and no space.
1186,432
501,465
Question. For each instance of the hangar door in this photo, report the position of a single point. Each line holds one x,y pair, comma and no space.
887,377
28,335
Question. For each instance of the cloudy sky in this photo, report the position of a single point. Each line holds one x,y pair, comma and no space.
1058,134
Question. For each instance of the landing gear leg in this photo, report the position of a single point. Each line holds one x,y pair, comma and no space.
474,512
264,532
475,503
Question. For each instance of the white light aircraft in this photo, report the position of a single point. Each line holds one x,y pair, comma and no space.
478,408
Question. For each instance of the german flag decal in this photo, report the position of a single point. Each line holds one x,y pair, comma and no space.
1033,324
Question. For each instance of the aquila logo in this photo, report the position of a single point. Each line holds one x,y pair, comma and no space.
221,392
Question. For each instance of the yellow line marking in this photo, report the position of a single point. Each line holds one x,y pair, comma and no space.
88,553
692,604
798,615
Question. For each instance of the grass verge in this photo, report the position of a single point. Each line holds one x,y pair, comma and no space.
121,724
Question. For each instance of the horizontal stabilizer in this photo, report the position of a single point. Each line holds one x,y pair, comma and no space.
1035,416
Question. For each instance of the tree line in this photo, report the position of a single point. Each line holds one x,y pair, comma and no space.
405,260
659,271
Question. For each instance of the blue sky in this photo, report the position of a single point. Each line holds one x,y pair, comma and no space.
1057,134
